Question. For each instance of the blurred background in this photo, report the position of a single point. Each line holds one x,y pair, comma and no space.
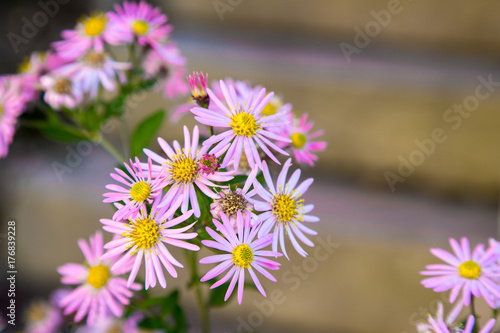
401,90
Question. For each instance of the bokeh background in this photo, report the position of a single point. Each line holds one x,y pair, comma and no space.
395,90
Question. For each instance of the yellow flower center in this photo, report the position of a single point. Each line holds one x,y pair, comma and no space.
140,191
94,59
63,86
184,169
1,110
140,27
242,256
98,276
36,312
25,66
144,233
285,208
269,109
470,270
244,124
95,24
298,140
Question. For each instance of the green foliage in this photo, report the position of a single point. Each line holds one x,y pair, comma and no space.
144,132
162,313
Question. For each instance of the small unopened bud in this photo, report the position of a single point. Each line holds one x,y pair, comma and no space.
198,84
209,164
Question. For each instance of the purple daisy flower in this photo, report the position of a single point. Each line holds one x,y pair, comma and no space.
42,317
167,63
302,145
11,106
146,236
60,91
94,69
139,21
244,253
100,292
439,325
142,188
89,33
184,172
284,209
474,273
248,127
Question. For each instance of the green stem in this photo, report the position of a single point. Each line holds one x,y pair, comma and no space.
211,130
473,312
110,148
195,282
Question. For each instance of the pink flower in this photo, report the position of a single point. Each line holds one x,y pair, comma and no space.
472,274
60,91
101,292
90,33
284,209
302,145
184,172
438,325
198,85
247,127
11,106
166,63
145,237
139,21
245,253
42,317
94,69
141,189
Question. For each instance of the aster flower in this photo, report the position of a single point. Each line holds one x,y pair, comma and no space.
247,126
198,84
438,325
60,91
284,209
472,274
145,237
168,65
230,202
94,69
139,21
140,189
302,145
11,106
245,253
101,293
90,33
42,317
184,172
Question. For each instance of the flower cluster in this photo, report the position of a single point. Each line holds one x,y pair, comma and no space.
213,190
73,73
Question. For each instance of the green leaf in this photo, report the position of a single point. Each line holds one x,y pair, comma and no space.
62,133
144,132
237,179
170,303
